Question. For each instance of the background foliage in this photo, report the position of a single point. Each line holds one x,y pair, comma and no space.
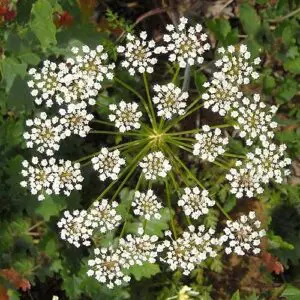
34,262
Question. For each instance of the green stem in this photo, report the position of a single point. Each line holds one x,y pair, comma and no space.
280,19
186,132
175,121
133,168
149,100
128,144
183,139
116,133
221,126
176,74
103,122
180,145
124,171
217,163
234,155
131,89
170,207
200,184
127,212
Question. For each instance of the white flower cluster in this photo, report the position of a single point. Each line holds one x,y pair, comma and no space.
103,216
265,164
186,46
155,165
110,265
189,250
107,267
210,144
146,205
75,80
108,164
221,95
139,249
138,53
79,227
236,68
48,177
270,162
243,236
244,179
75,120
45,134
195,202
75,228
126,116
169,100
91,65
46,83
254,120
236,63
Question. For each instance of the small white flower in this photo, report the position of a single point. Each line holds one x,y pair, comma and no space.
243,236
103,216
48,177
221,94
75,120
265,164
126,116
254,120
45,134
210,144
67,177
189,250
137,250
195,202
92,65
270,162
245,180
45,83
155,165
138,53
76,89
108,164
146,205
107,267
186,45
169,100
75,228
237,64
39,176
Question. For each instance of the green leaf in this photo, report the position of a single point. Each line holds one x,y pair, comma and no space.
230,203
71,285
199,79
19,97
29,58
156,227
220,27
42,23
276,242
50,206
249,18
10,68
292,65
147,270
126,197
291,293
236,296
287,90
269,83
